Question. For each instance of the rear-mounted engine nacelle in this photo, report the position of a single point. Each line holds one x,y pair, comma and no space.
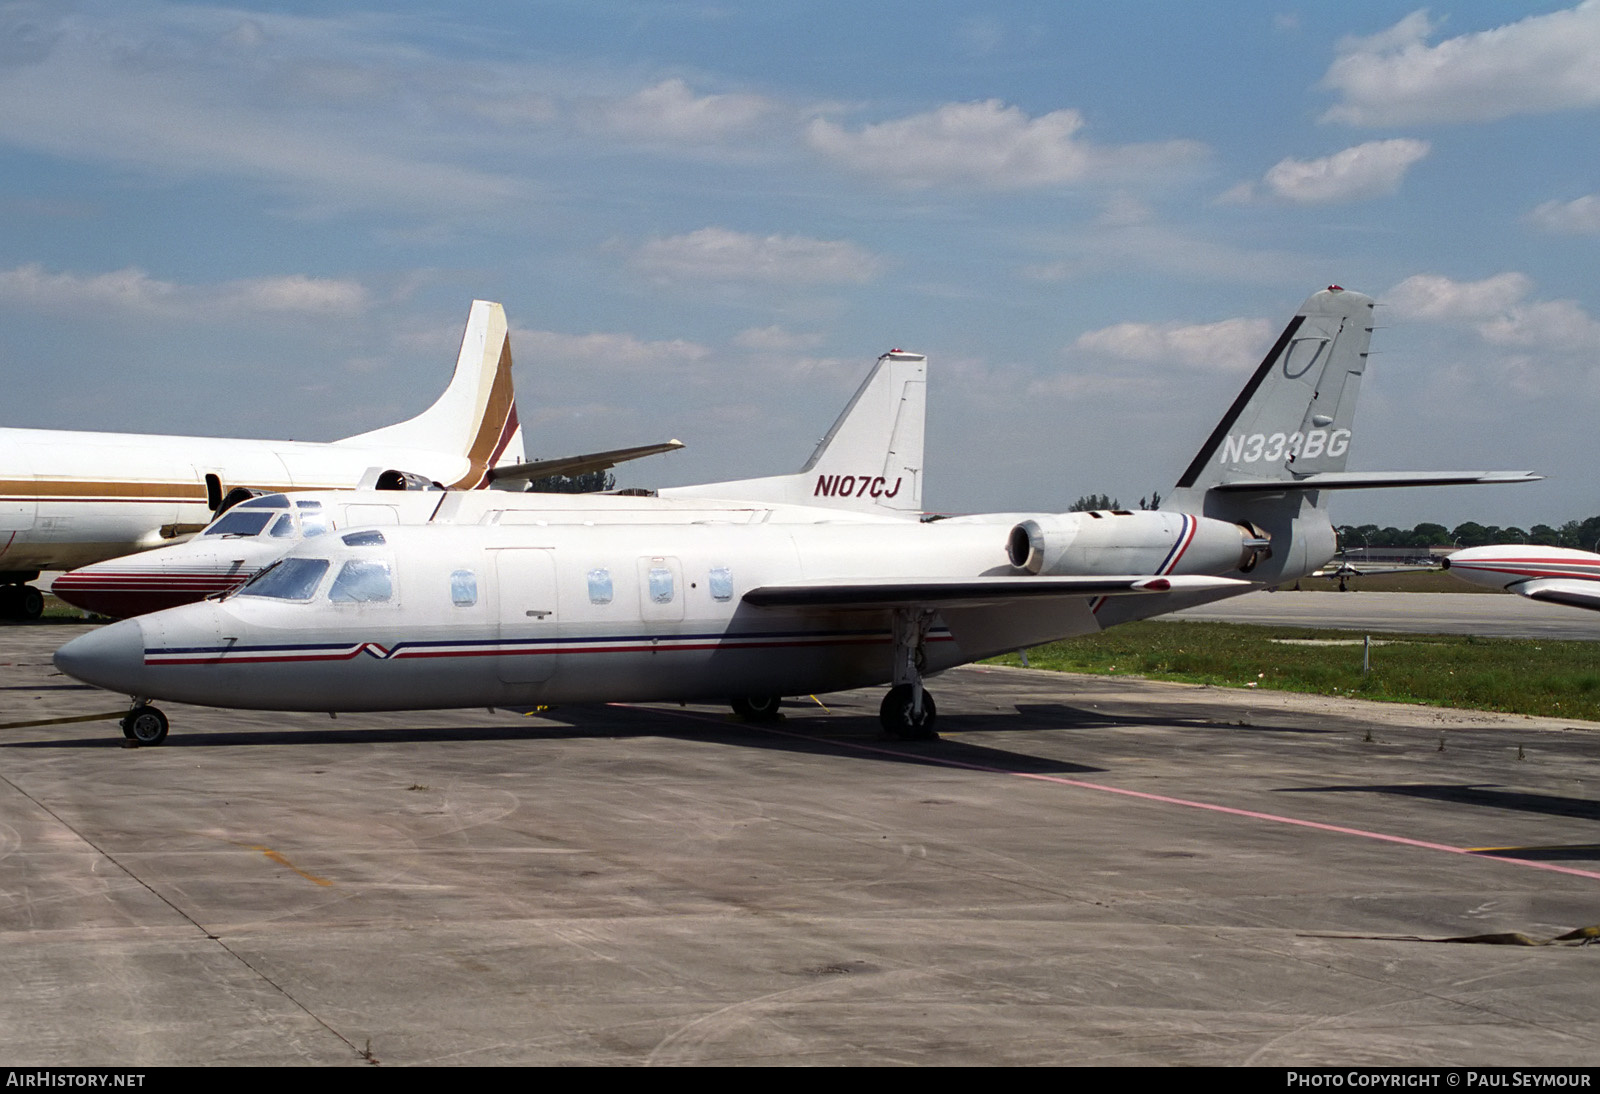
1123,542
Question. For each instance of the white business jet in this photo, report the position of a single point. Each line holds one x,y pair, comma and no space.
430,616
73,498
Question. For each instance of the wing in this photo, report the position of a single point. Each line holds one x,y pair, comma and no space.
969,592
1555,590
578,465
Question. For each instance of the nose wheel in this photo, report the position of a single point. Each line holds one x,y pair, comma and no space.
145,725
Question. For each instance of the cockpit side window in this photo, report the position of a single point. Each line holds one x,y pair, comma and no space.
238,522
283,527
291,579
362,581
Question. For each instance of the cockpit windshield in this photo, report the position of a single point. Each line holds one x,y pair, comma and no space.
291,579
238,522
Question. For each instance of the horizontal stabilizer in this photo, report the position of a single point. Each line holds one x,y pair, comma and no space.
578,465
1555,590
1370,480
970,592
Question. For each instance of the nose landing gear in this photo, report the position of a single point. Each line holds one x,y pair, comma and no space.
145,725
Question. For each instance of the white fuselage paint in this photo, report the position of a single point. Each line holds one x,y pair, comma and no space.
502,616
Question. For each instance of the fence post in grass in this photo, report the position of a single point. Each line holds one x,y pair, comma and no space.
1366,655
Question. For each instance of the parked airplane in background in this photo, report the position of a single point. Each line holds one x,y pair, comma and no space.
1557,575
441,616
71,498
877,442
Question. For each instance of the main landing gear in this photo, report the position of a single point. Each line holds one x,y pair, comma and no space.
21,602
144,724
757,708
908,711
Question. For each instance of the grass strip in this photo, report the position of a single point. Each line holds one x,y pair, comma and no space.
1512,675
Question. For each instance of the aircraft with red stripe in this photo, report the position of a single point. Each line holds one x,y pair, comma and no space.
1555,575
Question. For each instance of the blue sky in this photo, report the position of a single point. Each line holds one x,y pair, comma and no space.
706,220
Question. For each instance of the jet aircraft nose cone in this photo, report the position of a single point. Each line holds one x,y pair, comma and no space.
111,657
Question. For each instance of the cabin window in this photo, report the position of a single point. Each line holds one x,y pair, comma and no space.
660,585
721,583
235,523
291,579
463,588
361,581
599,586
363,539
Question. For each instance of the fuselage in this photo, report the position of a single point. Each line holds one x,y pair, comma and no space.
1555,575
445,615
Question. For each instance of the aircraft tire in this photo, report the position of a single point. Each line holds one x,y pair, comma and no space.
757,708
145,725
897,719
30,603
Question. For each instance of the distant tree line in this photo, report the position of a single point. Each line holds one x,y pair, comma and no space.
1099,503
1582,534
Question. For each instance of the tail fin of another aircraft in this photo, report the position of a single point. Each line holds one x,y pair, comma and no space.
476,417
871,460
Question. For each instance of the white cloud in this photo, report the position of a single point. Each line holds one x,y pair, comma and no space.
1231,344
991,145
1540,64
132,290
1369,170
670,111
1438,298
298,293
312,106
605,351
1580,216
774,339
1558,325
1499,310
719,254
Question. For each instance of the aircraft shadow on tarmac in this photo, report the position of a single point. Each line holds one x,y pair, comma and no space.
858,735
1480,796
1057,716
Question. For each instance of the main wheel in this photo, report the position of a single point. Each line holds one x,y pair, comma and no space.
899,720
757,708
30,603
145,724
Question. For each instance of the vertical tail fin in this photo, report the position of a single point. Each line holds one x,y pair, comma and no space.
476,417
871,460
1295,415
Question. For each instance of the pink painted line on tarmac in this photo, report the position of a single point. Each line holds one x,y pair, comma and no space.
1164,799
